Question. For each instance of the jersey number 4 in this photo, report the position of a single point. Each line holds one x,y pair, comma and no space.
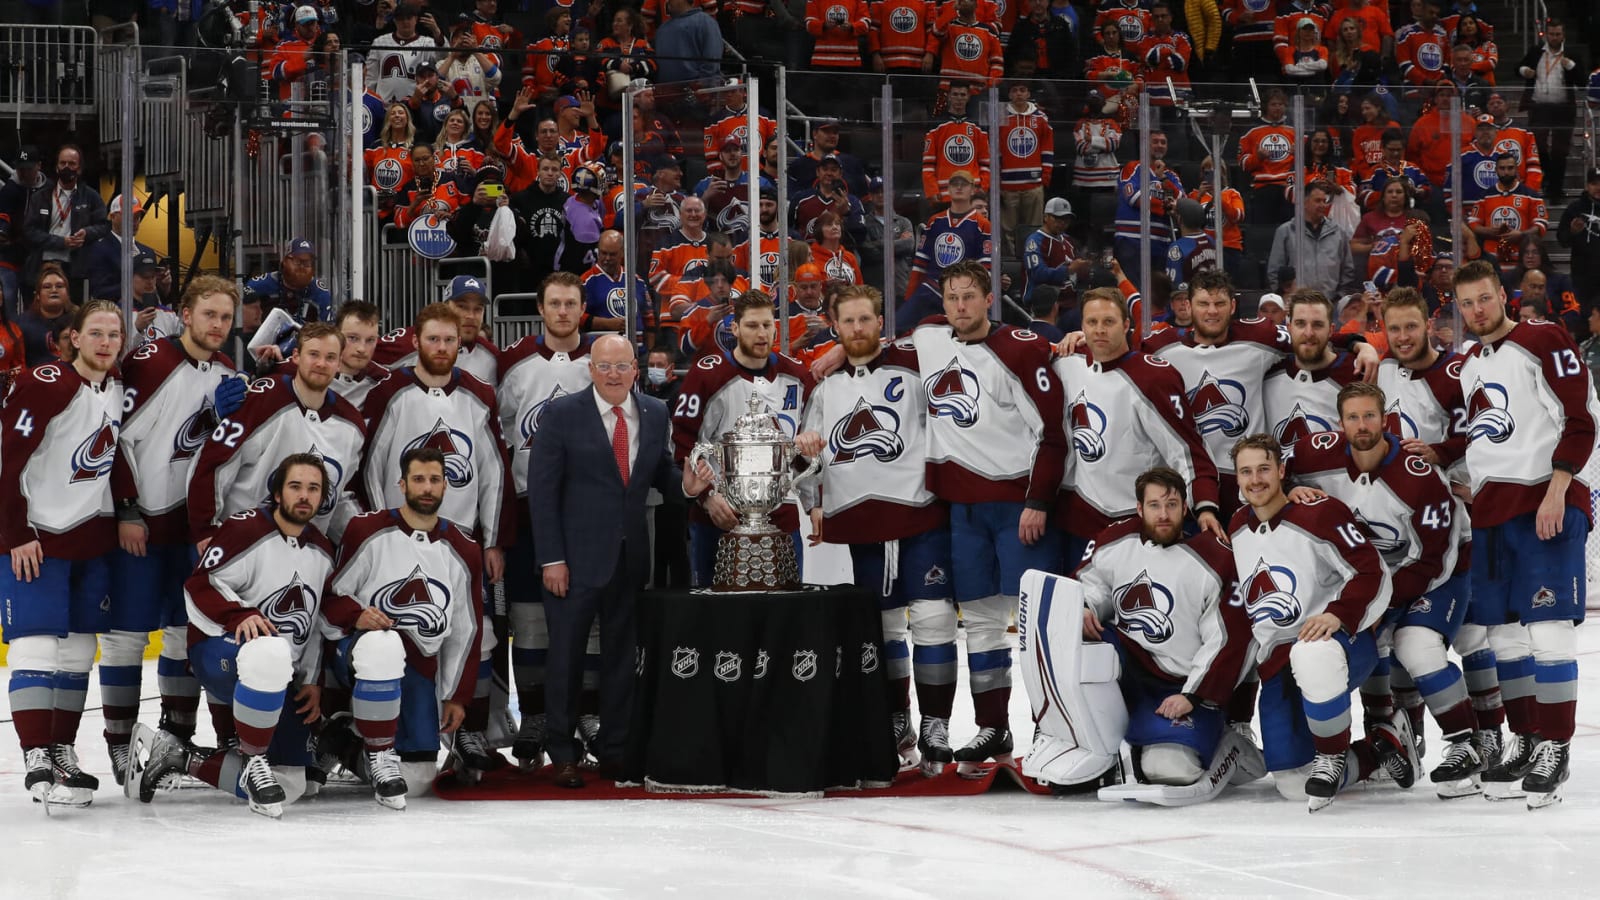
24,423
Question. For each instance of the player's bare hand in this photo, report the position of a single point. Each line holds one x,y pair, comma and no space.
1030,528
1092,629
828,363
373,619
816,526
269,353
1303,494
494,564
451,717
144,318
26,561
1320,627
1175,707
131,537
1419,447
252,628
1070,344
1367,359
1208,521
721,512
556,578
1552,509
309,703
809,443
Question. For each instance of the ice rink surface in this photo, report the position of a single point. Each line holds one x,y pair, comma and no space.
1372,842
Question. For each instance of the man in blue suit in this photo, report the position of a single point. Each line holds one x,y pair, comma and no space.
595,457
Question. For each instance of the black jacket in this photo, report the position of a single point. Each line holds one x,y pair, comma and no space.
88,213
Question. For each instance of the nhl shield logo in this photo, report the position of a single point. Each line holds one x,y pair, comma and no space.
685,662
761,665
639,659
805,665
869,657
729,666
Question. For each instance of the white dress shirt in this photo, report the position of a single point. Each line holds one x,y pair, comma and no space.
630,414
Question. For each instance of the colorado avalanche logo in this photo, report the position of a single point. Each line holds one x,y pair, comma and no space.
1397,423
1144,607
1483,174
192,434
290,610
92,459
335,470
388,174
1218,405
953,393
1299,424
416,602
1275,147
1088,423
1022,141
948,249
868,431
1383,536
959,150
968,46
1487,415
903,20
529,426
457,450
1269,595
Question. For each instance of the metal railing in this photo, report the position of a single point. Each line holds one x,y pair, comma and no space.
48,70
508,329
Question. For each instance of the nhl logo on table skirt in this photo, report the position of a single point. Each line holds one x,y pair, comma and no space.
729,667
685,662
428,237
761,665
805,665
869,657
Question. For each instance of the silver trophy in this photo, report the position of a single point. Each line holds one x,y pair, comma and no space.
753,467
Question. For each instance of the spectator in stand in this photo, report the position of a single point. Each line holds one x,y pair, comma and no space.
965,48
1439,287
1473,33
1507,215
605,295
680,255
1266,153
65,217
830,193
50,308
1510,138
837,26
733,121
429,191
472,75
1371,28
1050,37
625,56
872,256
689,44
1164,56
105,255
1422,48
290,59
1398,245
1474,90
899,35
824,143
543,207
1558,287
1159,189
1366,143
1307,63
956,143
661,204
1579,232
429,102
392,63
1097,137
1132,18
1323,163
14,211
294,287
1251,52
828,251
1553,76
549,66
1346,48
1429,145
1112,56
1322,261
1395,165
1027,162
958,233
1049,258
153,315
390,161
727,201
585,218
1233,261
454,152
578,131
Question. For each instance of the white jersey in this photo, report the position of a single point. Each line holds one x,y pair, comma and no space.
1225,381
1300,402
252,568
535,375
392,66
1428,405
480,358
1309,559
462,421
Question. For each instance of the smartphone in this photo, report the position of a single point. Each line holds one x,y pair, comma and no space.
494,190
1370,287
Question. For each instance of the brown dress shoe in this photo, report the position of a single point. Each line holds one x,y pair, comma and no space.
568,776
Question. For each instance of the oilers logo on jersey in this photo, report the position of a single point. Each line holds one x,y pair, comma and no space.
1022,141
868,431
192,436
968,46
1484,176
1487,415
92,459
1297,425
529,426
903,20
1088,424
416,602
387,174
960,150
1218,405
290,609
948,249
1274,148
457,450
1145,607
1430,56
953,394
1269,595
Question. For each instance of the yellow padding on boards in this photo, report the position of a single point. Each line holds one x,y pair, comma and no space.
151,650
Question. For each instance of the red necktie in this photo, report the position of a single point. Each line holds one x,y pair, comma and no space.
619,444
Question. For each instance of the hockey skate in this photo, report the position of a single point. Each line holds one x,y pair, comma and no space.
528,748
1502,780
338,747
157,760
589,738
1548,773
1458,774
1327,776
383,770
989,744
119,760
41,777
73,786
1396,749
470,757
261,789
934,745
905,740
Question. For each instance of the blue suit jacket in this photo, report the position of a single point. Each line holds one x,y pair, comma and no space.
581,512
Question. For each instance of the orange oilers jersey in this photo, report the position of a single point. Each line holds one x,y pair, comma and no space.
1366,148
442,200
949,147
1027,150
1251,20
1518,210
545,58
1133,23
1424,55
677,257
768,273
838,265
1519,141
838,26
736,126
972,51
390,167
1232,214
1283,32
900,32
1267,153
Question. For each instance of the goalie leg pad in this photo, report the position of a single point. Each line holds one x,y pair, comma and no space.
1077,703
1170,764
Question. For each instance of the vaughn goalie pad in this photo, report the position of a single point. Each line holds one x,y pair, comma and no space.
1078,711
1234,755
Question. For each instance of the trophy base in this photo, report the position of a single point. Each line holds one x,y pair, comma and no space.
763,561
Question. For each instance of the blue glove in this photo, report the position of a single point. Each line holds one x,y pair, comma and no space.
229,396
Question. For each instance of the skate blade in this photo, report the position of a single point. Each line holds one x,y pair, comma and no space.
932,768
68,797
1540,801
1313,804
392,802
1503,790
269,810
982,768
1463,787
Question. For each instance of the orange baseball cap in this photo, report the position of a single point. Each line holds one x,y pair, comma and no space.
809,273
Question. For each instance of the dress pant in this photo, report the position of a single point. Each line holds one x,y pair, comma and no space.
570,619
1552,125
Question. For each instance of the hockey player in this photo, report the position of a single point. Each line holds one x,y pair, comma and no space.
254,607
281,415
1531,426
1418,527
1300,392
996,454
171,408
478,355
868,423
715,393
359,322
58,442
1314,587
538,369
1166,604
436,404
1125,413
404,607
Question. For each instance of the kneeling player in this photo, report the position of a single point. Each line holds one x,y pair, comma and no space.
404,606
1314,587
253,607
